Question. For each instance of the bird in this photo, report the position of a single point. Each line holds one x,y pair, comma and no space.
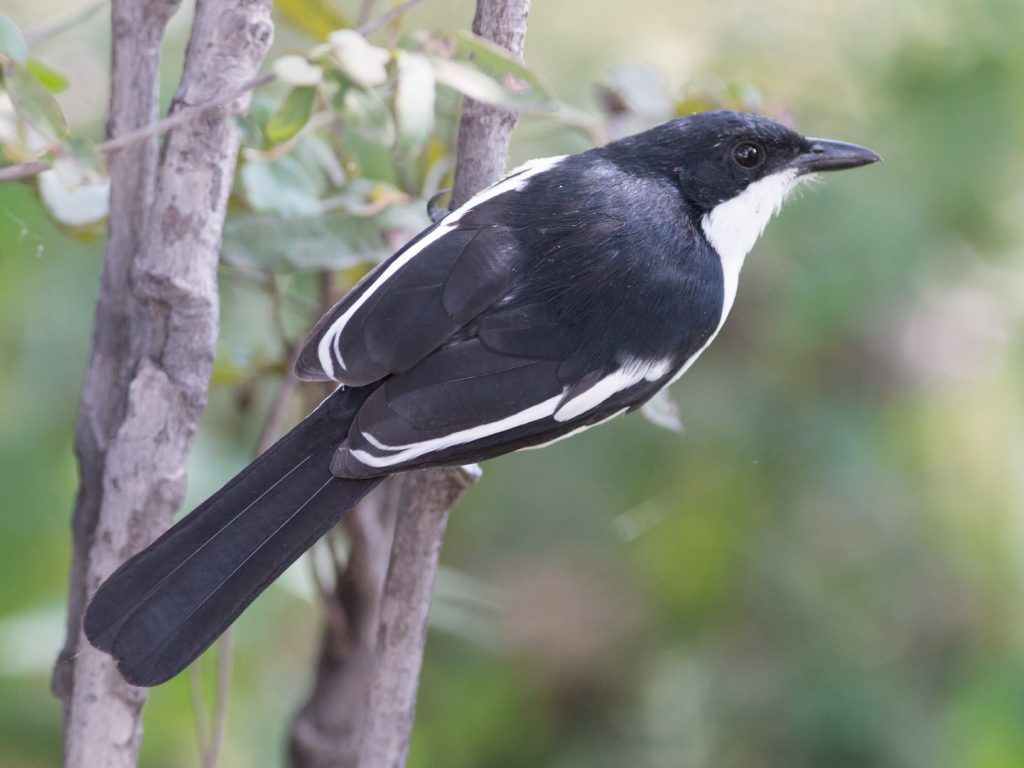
568,293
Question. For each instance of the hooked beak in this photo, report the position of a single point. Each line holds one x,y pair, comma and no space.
825,155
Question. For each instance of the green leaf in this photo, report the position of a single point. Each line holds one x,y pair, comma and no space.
297,71
335,240
367,114
12,42
414,101
73,194
283,186
495,61
34,103
467,79
315,18
663,411
51,79
361,62
292,115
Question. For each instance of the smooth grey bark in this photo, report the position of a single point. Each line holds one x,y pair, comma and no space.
327,731
156,326
485,130
360,711
427,497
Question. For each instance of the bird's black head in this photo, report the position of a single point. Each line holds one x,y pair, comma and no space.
714,157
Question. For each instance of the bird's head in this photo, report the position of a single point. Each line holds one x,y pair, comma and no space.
735,169
722,155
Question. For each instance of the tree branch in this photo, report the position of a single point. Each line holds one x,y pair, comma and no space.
426,498
183,116
145,133
326,732
368,28
156,324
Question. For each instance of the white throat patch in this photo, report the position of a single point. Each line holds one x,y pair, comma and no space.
733,227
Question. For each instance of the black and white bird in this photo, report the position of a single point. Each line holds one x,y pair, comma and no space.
566,294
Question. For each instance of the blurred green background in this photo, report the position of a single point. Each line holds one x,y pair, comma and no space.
825,569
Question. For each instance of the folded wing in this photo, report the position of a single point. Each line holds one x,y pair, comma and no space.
514,384
412,303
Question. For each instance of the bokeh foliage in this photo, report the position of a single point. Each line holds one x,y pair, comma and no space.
825,568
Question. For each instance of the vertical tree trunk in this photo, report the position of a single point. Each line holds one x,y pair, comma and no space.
156,326
361,709
326,732
427,497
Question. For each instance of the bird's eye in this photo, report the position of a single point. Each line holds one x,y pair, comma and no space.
748,155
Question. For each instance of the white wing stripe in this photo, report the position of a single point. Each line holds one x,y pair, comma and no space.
414,450
514,181
624,378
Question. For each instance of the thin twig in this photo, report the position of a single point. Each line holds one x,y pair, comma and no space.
183,116
386,18
195,693
186,115
131,138
220,713
272,427
365,11
23,170
44,32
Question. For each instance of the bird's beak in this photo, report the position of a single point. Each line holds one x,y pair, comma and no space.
825,155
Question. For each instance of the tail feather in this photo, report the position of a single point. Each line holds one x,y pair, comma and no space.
165,606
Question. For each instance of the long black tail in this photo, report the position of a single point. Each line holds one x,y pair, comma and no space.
166,605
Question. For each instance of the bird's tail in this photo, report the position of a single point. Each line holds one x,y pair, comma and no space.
166,605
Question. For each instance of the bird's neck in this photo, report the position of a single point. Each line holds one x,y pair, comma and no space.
733,226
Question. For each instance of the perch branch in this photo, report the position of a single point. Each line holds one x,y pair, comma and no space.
426,498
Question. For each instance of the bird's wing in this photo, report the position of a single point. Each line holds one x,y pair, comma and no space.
515,383
412,303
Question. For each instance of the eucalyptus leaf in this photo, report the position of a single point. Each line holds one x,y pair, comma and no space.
283,186
367,113
361,62
663,411
293,114
316,18
414,101
34,103
50,78
12,42
72,196
335,240
496,61
467,79
297,70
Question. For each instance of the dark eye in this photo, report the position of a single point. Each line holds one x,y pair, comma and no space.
748,155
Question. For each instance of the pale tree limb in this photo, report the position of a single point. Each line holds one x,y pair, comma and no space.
134,101
144,133
359,714
427,498
156,325
369,27
326,731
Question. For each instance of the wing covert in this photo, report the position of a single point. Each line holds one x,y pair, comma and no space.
468,402
412,303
